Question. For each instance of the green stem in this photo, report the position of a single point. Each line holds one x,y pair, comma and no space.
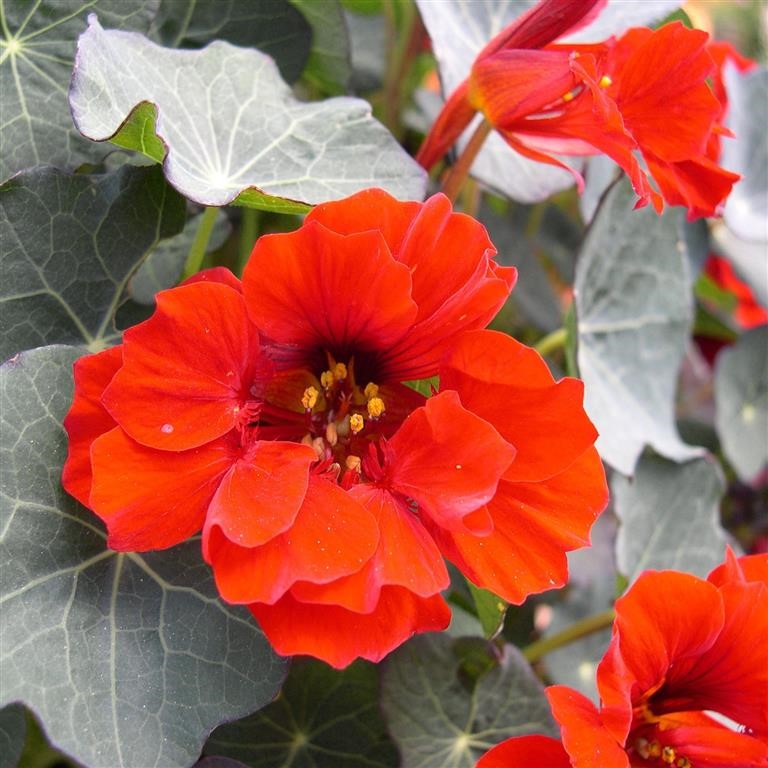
552,342
249,227
460,169
200,243
588,626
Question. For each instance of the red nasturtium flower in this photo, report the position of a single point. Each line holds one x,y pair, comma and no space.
645,93
273,415
684,682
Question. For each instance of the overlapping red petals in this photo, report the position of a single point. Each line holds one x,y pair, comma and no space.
678,659
196,422
644,94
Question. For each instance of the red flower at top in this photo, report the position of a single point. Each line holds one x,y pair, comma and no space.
274,416
644,93
686,654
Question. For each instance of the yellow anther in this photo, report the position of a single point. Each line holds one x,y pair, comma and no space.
371,390
318,444
570,96
654,750
326,379
668,755
339,371
356,423
605,81
376,407
331,435
353,463
309,398
683,762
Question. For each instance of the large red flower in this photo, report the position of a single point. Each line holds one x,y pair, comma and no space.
684,682
276,418
645,93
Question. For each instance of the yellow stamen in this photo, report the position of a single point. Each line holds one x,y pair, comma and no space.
340,371
683,762
376,407
309,398
570,96
371,390
353,463
326,379
605,81
668,755
318,444
654,749
356,423
642,747
331,435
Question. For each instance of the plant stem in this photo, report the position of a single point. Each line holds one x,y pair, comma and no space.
249,225
587,626
551,342
460,170
402,47
200,243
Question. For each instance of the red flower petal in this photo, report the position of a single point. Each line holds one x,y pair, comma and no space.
187,370
526,752
332,536
716,746
665,618
261,494
546,423
338,636
153,499
583,733
216,275
406,556
447,459
87,418
534,526
510,85
661,90
724,678
323,291
739,570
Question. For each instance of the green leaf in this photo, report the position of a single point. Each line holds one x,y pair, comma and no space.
128,659
329,67
36,55
670,517
13,731
322,719
491,610
441,720
235,138
741,400
71,244
424,386
275,27
163,267
634,311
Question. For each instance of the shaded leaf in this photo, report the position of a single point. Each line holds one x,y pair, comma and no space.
219,762
491,610
746,209
234,138
438,721
127,659
36,57
669,517
71,243
741,399
323,719
329,66
163,267
634,310
275,27
460,29
13,731
591,590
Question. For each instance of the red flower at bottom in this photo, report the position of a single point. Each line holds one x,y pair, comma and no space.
686,654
